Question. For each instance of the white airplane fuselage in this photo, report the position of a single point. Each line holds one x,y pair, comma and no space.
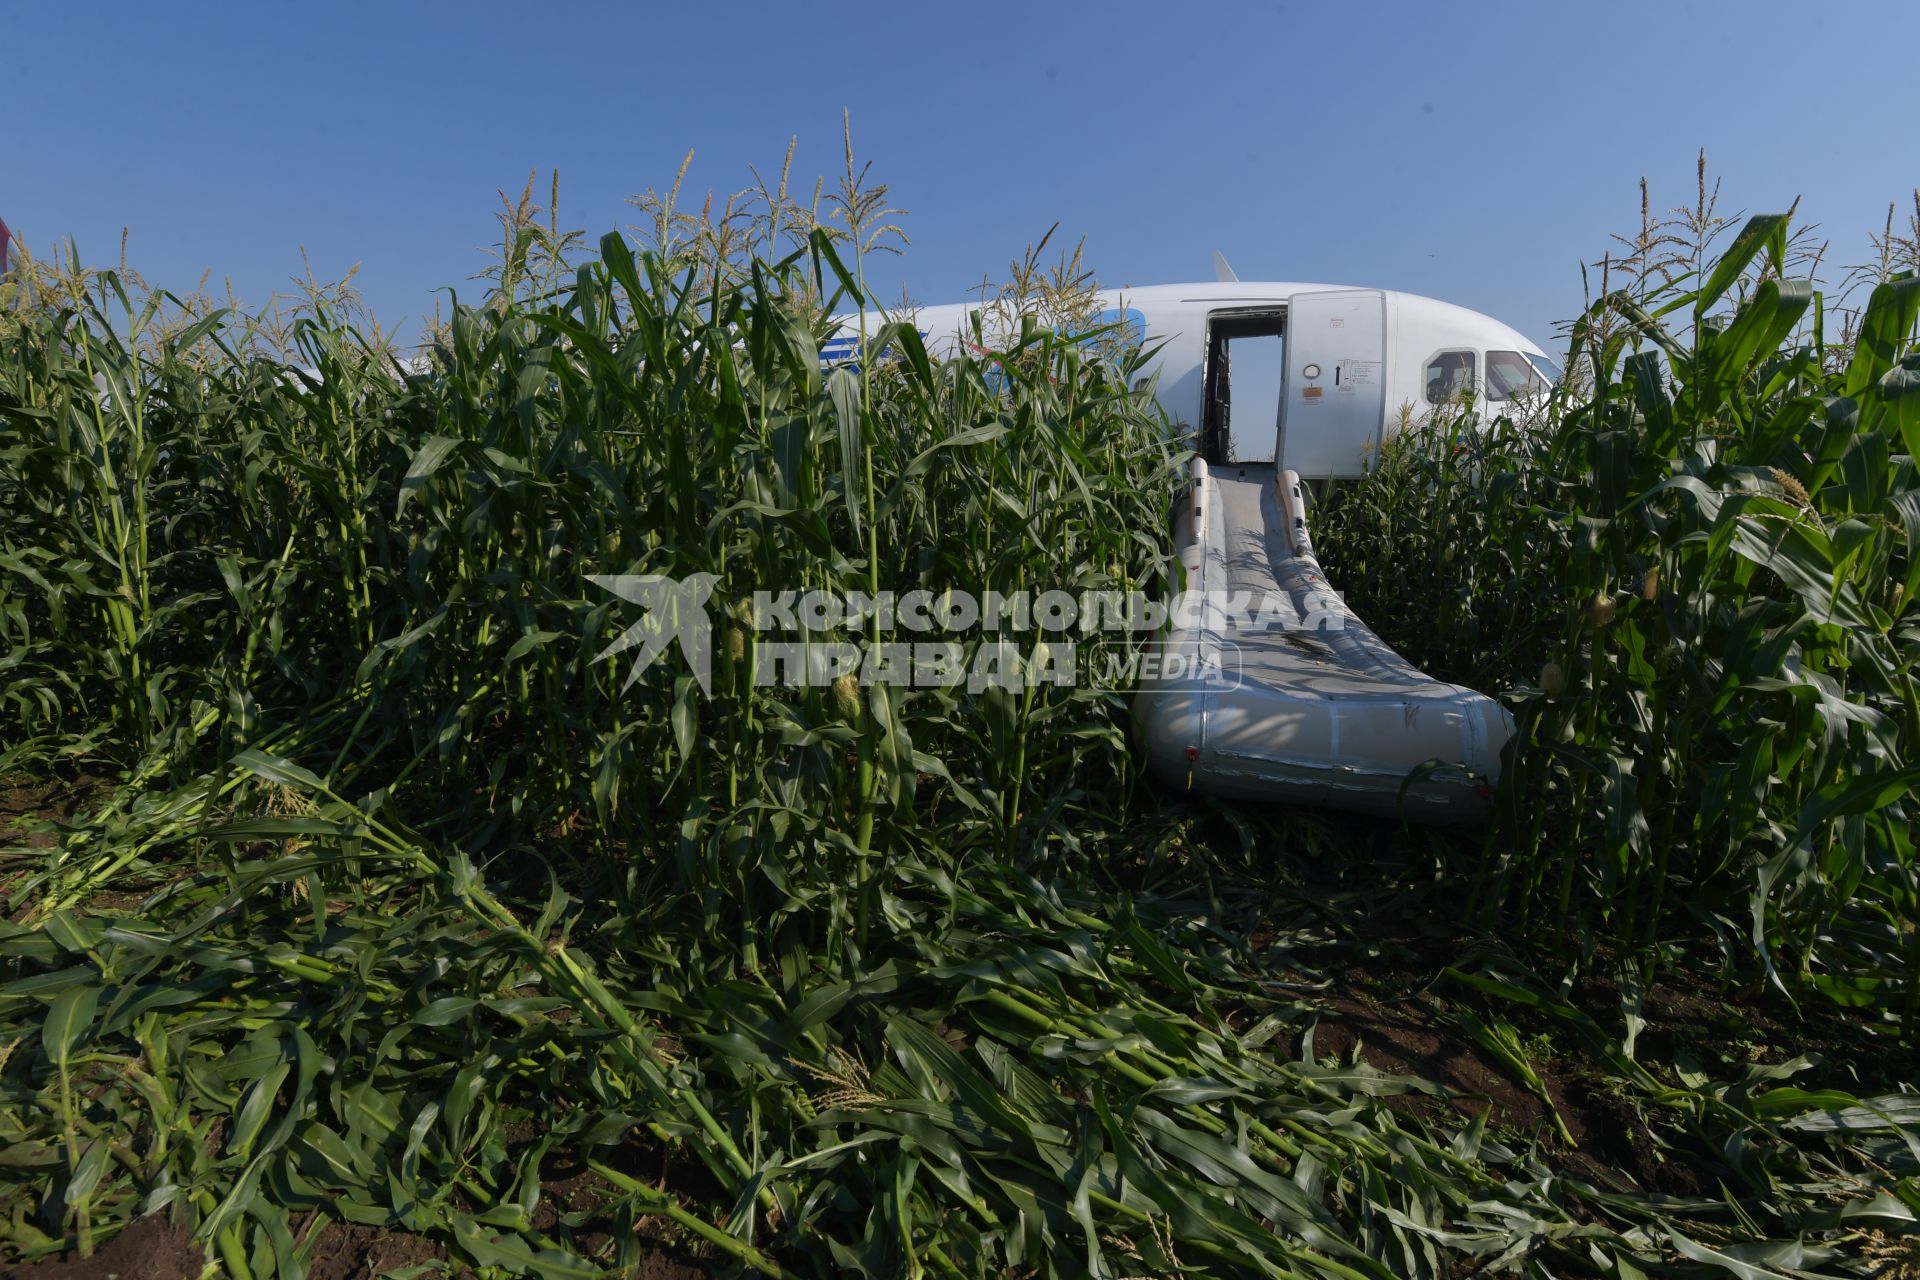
1313,377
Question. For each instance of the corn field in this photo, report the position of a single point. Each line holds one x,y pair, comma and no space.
401,904
1698,579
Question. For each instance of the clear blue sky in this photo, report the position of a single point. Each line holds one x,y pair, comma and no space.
1475,152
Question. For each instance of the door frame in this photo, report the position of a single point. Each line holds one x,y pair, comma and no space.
1249,320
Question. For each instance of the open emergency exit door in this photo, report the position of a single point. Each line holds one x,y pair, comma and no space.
1333,408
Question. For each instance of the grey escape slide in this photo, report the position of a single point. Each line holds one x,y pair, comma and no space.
1304,705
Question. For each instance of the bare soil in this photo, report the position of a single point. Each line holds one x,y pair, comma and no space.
350,1251
149,1248
29,809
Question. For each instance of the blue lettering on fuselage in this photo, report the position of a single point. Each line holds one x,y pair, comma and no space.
843,349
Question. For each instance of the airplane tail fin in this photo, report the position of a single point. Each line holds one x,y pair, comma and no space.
1221,271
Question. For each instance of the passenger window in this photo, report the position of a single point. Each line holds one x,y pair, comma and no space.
1511,375
1449,375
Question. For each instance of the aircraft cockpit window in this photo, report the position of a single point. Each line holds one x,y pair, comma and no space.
1511,376
1449,376
1548,369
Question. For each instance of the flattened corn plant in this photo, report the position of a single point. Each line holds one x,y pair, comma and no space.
1696,578
408,908
328,1020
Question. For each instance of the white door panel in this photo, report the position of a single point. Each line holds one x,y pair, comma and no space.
1335,399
